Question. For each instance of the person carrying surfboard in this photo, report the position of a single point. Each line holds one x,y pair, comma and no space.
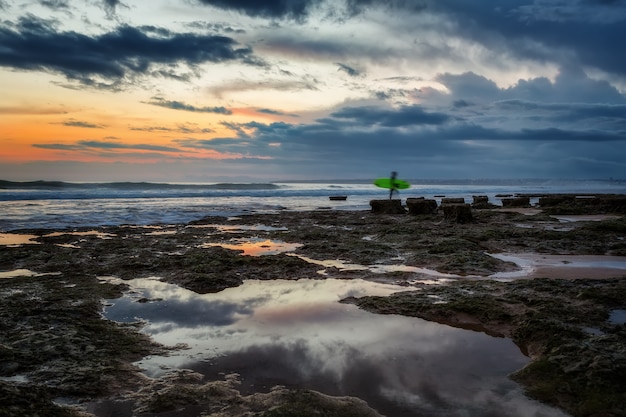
392,184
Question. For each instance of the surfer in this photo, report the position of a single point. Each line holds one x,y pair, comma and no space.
392,184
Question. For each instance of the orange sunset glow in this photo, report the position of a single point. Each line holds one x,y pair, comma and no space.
270,91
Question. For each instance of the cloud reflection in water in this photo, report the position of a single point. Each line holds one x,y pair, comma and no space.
295,333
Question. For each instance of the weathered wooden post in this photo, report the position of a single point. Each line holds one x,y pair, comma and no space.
516,202
421,206
387,206
481,202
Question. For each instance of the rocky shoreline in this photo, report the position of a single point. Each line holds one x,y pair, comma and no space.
54,343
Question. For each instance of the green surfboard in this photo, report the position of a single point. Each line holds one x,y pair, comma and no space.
386,183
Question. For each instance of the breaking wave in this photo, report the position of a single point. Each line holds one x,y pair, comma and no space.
54,190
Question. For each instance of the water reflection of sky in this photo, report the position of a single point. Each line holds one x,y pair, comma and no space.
13,239
296,333
257,246
618,317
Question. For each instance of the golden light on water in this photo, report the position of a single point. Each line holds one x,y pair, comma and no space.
259,247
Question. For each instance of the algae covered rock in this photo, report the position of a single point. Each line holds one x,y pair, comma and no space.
387,206
421,206
516,202
458,213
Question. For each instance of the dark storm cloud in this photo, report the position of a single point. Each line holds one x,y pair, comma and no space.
595,113
413,140
328,140
55,4
575,10
301,9
572,107
569,86
348,70
110,7
556,134
604,111
470,85
34,44
292,9
405,116
177,105
461,103
578,32
463,132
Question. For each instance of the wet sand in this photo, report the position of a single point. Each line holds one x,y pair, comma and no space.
52,313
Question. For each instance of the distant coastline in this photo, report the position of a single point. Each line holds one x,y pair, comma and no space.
8,185
472,181
48,184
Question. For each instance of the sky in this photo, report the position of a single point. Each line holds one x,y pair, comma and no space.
253,90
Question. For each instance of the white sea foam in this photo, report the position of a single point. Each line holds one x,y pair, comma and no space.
62,205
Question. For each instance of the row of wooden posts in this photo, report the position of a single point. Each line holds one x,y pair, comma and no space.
454,209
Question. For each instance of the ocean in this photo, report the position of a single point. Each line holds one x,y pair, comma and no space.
60,205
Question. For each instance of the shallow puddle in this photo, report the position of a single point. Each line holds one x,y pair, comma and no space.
534,265
527,211
162,233
297,334
20,379
14,239
24,273
585,218
618,317
376,268
18,273
530,266
101,235
545,226
258,246
236,228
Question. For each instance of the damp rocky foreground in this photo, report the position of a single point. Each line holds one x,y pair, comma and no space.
58,352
